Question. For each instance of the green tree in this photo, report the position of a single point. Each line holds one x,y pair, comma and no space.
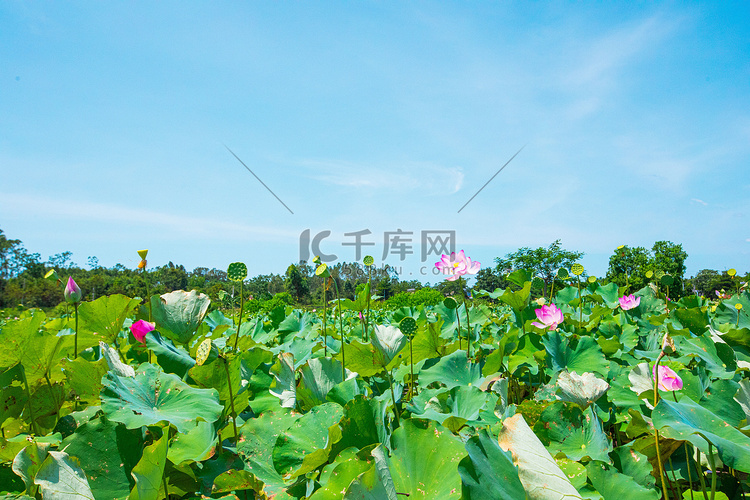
708,281
541,262
296,283
628,267
490,279
669,258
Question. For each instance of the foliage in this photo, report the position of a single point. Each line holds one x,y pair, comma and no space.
541,262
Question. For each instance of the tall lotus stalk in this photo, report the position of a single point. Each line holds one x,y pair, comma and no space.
368,261
237,271
666,379
142,266
577,270
455,266
408,327
323,271
316,260
73,296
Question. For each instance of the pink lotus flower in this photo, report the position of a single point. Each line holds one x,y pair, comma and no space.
72,293
140,328
456,265
668,379
629,302
549,317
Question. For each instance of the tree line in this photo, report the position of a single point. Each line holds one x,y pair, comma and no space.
23,281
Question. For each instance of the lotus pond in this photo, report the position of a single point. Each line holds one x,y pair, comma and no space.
496,398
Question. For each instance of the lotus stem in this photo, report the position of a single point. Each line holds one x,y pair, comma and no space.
656,431
28,398
712,463
341,327
325,315
239,319
75,341
393,397
231,399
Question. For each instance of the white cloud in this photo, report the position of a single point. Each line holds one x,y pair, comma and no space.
411,176
696,200
49,208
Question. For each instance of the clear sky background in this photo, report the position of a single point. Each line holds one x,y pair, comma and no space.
114,118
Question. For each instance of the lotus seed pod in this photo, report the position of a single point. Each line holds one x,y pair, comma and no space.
576,269
450,303
408,326
237,271
368,260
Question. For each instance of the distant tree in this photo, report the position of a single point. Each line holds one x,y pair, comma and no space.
541,262
61,260
490,279
708,281
628,267
296,283
93,262
670,258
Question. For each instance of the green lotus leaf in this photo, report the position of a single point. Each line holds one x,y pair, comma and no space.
152,396
149,471
171,358
179,314
488,473
575,433
319,376
540,475
84,378
28,461
518,300
237,271
215,377
60,478
236,480
14,335
107,452
688,420
363,424
613,485
197,445
115,365
257,437
586,357
341,477
285,383
376,483
102,319
306,435
297,324
452,370
425,460
633,464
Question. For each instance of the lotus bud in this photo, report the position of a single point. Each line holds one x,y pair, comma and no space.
667,344
72,293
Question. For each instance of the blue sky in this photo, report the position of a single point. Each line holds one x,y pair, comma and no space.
634,118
